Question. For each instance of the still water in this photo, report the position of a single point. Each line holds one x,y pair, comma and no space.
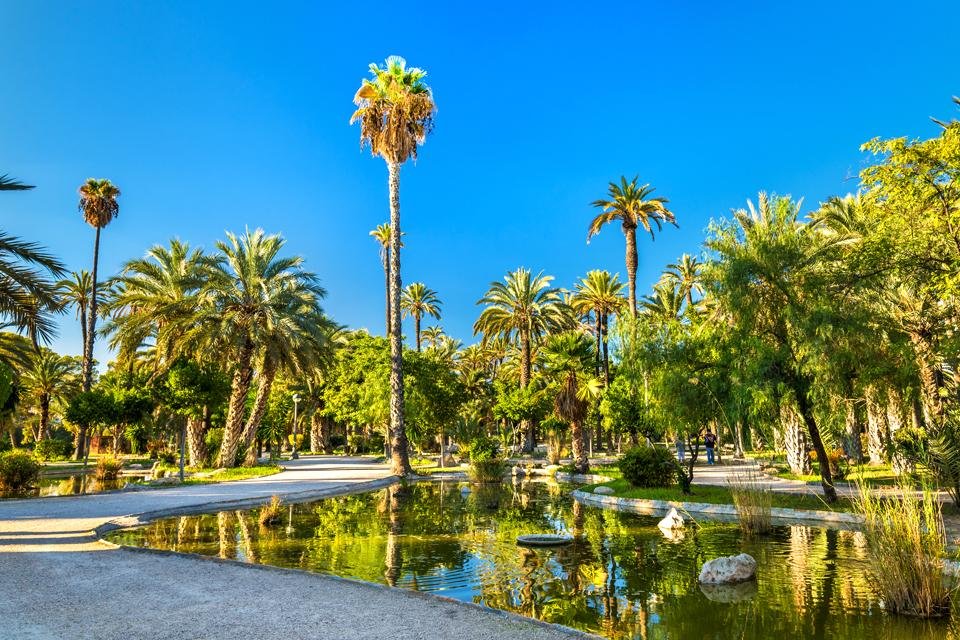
621,578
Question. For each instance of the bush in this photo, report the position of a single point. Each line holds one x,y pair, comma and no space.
19,470
649,467
108,468
53,449
485,462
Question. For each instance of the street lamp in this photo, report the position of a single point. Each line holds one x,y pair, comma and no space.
296,400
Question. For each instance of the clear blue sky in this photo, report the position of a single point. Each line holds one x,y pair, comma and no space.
216,116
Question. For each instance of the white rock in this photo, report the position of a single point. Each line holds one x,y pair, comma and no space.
673,520
603,491
729,569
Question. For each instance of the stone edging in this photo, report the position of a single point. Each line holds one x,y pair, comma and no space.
137,520
659,507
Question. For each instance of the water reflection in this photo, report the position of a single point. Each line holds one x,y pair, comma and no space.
619,578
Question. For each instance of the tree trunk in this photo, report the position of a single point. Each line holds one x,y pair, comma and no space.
416,329
826,477
931,381
895,421
43,429
78,454
233,430
315,434
400,455
851,434
526,367
386,273
794,441
606,352
259,408
632,261
581,464
196,447
876,427
599,329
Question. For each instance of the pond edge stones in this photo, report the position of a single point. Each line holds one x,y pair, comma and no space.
729,569
603,491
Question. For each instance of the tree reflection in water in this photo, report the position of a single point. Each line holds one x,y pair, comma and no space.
620,577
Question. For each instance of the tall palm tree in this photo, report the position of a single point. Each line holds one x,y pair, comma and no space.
417,301
251,294
634,206
600,294
568,358
523,308
684,274
98,204
48,379
27,293
9,184
395,109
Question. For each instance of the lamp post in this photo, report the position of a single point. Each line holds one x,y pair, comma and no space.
296,400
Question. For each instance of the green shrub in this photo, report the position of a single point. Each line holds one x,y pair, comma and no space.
649,467
108,468
213,439
485,462
53,449
19,470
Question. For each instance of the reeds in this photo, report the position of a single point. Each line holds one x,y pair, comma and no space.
271,513
108,468
754,499
905,546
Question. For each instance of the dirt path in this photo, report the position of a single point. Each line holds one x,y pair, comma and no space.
58,581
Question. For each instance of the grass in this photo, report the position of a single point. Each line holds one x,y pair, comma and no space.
870,475
720,495
271,514
753,499
224,475
905,541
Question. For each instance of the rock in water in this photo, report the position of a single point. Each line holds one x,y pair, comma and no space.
729,569
603,491
673,521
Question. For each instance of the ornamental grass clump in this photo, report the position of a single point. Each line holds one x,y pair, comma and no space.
19,470
754,500
108,468
906,543
272,513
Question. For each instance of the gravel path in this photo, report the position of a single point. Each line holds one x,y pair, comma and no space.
58,581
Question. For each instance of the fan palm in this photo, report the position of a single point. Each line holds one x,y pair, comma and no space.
634,206
395,110
417,301
249,296
601,294
98,204
522,309
49,378
568,358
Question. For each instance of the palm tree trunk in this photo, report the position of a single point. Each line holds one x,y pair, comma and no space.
876,427
416,329
599,329
44,427
579,447
526,367
606,352
316,443
632,261
88,341
196,447
401,459
256,415
386,274
233,429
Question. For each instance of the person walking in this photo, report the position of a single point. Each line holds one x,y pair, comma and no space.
710,442
681,448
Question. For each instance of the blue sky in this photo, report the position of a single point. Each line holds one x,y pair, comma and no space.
217,116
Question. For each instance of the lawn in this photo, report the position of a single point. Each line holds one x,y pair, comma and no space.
209,476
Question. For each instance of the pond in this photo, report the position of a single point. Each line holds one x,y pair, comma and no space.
620,578
70,485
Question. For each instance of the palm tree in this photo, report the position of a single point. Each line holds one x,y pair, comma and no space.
666,302
252,294
48,379
684,274
75,291
382,235
568,357
395,110
417,301
601,294
433,336
522,309
27,294
9,184
98,204
634,206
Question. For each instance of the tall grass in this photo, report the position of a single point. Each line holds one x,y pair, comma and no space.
754,499
905,546
271,514
109,468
